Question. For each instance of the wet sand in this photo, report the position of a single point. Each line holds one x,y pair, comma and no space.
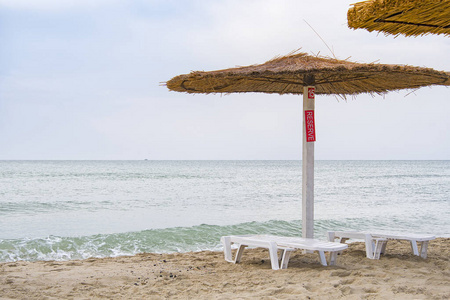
206,275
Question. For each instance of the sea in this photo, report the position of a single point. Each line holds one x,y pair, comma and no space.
67,210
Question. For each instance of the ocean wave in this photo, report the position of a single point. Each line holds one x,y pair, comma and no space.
167,240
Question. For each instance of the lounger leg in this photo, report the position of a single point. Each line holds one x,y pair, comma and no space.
423,249
379,244
323,259
331,236
273,252
414,247
226,241
369,246
333,258
383,249
285,258
239,253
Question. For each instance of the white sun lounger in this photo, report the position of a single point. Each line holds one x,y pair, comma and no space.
376,242
275,243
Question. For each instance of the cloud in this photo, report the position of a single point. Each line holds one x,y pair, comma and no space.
54,6
256,32
94,67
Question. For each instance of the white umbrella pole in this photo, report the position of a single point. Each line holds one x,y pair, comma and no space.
309,136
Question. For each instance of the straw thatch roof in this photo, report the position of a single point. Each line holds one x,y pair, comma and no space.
288,75
408,17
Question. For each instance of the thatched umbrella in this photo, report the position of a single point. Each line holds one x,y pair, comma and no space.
408,17
308,75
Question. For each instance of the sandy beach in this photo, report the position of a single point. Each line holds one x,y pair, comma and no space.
206,275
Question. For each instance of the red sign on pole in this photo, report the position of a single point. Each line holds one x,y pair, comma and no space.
311,93
310,126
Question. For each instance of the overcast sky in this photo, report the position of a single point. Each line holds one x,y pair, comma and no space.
80,79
